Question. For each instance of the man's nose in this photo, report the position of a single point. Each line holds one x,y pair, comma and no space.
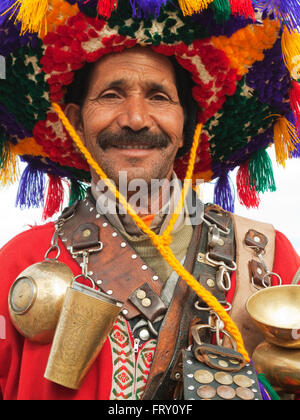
135,114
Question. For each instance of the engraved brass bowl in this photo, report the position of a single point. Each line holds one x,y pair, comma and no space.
281,366
276,313
36,297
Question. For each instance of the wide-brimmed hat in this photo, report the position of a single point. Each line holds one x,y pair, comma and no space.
243,57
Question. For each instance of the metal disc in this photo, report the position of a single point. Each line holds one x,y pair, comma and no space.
224,378
242,381
203,376
226,392
245,393
206,391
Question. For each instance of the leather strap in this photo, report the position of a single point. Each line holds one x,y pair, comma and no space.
244,287
117,269
174,333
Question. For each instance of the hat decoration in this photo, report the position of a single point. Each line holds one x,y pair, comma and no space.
243,57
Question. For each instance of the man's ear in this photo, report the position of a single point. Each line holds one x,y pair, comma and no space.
73,113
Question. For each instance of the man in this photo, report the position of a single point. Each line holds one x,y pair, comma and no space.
134,118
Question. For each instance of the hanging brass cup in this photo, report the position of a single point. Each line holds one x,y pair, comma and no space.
276,313
86,319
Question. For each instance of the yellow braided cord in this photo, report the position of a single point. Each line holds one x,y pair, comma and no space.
158,241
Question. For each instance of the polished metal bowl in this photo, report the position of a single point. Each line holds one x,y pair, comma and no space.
36,298
276,313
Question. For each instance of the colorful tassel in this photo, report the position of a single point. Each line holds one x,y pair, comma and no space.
106,7
77,191
31,188
146,8
224,195
295,103
290,44
222,11
9,168
31,14
189,7
242,8
284,11
7,9
285,140
54,196
247,194
260,172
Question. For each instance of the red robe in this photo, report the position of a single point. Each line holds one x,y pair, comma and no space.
23,363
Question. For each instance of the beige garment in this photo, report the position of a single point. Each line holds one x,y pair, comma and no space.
181,234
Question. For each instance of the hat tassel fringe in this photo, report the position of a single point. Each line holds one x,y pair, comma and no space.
285,140
106,7
189,7
9,168
31,14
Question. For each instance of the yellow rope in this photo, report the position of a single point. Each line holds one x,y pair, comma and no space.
160,241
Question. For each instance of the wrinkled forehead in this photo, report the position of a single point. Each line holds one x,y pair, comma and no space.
141,61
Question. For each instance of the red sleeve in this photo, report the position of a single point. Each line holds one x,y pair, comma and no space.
287,260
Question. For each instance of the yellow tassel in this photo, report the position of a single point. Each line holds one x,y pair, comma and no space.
189,7
32,15
285,140
290,44
10,171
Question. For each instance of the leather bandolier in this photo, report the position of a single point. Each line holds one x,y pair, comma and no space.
120,272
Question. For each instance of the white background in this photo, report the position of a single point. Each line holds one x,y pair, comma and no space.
281,208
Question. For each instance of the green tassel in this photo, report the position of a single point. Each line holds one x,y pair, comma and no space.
77,191
222,10
263,380
261,172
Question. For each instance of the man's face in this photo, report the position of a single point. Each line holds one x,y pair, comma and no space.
131,119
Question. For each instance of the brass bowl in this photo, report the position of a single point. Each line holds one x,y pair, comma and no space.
36,298
281,366
276,313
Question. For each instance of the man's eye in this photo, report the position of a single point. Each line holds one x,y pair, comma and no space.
109,95
159,97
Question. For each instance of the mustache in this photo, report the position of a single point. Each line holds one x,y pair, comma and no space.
128,137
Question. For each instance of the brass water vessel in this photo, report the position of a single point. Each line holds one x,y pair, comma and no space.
276,313
36,298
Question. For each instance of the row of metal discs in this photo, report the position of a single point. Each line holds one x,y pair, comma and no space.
224,391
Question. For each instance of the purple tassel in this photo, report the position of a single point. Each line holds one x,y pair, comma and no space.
31,188
4,6
146,8
286,11
224,194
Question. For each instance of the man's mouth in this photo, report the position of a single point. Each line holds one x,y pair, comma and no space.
133,146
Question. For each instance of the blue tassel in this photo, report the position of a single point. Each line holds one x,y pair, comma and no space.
7,10
31,188
286,11
146,8
224,194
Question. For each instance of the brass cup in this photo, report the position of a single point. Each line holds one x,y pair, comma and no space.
281,366
36,298
276,313
86,319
